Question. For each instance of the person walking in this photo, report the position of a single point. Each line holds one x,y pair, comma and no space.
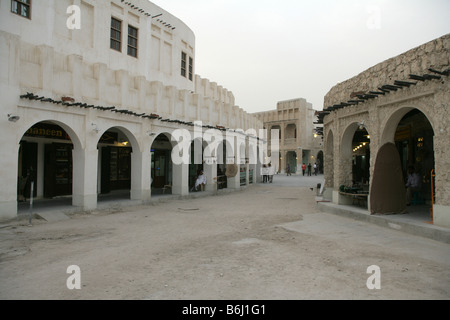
271,172
303,169
315,169
412,185
309,169
288,170
264,173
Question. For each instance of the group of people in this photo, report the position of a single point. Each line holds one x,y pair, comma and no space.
304,167
267,172
310,167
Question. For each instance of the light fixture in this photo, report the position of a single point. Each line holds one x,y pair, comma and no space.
95,127
361,125
13,118
151,134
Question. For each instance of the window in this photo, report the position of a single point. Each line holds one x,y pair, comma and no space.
132,41
183,63
116,34
191,68
21,7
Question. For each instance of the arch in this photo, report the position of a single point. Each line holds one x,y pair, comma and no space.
161,163
118,165
46,157
347,152
74,137
389,128
320,161
414,137
129,136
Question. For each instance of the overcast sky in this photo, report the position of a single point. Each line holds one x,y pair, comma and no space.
266,51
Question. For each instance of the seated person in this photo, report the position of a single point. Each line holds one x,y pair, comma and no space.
200,182
412,185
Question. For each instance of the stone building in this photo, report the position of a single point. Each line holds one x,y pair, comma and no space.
391,116
94,97
298,136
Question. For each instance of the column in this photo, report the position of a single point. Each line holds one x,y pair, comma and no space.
85,171
140,174
180,179
8,172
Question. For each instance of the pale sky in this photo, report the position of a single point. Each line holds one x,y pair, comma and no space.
266,51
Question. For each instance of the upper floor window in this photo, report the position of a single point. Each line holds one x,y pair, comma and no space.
116,34
21,7
132,41
191,68
183,64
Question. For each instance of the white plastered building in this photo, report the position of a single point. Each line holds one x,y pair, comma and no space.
92,93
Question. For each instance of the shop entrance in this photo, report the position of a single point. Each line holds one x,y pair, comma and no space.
414,140
45,157
114,161
161,165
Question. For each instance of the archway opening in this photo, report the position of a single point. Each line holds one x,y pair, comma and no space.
115,154
320,162
196,163
161,165
361,159
414,139
291,162
45,158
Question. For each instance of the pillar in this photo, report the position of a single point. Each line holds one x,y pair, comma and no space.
140,174
85,171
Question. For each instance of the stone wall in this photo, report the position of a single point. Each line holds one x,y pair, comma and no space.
382,114
434,54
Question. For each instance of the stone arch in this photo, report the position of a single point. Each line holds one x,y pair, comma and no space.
389,127
346,152
414,135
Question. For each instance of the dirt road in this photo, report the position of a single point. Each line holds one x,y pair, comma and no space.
268,242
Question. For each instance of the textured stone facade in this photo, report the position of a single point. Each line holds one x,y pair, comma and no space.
424,72
298,142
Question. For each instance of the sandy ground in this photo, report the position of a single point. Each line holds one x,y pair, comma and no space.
268,242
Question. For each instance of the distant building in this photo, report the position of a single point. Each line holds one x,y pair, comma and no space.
299,142
392,116
92,92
